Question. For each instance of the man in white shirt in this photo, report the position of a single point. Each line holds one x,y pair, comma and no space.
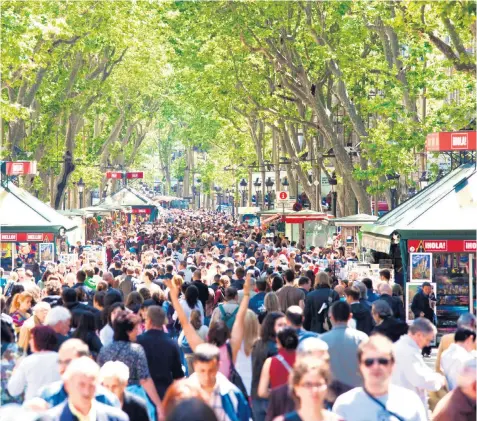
410,369
458,353
378,399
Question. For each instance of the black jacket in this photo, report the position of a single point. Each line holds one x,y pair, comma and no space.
313,302
391,328
364,320
420,302
135,407
163,358
396,306
203,292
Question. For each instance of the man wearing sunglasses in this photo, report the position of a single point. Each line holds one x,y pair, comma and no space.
378,399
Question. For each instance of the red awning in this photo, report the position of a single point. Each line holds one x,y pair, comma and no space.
301,219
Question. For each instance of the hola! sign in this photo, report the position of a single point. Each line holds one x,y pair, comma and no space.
19,168
451,141
141,211
442,246
23,237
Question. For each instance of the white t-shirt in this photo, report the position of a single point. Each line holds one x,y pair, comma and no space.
243,365
33,372
356,405
452,361
106,335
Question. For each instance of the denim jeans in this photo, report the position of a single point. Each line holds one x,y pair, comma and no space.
259,409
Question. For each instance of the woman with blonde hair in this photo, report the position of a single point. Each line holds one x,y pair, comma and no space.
243,355
271,304
19,309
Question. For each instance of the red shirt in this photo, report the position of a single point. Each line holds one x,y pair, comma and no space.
278,372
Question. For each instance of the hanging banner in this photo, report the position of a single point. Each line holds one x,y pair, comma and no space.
135,174
442,246
37,237
114,174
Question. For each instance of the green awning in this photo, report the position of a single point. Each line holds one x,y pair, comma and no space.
445,209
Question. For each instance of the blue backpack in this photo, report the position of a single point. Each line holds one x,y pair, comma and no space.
228,318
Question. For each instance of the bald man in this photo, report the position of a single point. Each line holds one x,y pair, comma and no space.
395,303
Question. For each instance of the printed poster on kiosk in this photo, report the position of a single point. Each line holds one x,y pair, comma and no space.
421,267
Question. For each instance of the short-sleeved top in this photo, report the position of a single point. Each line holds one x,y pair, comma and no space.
129,353
290,296
280,371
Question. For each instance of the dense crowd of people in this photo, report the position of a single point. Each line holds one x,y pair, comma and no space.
198,317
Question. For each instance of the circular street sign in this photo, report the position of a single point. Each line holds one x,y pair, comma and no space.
283,195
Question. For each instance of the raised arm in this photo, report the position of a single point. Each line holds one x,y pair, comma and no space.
236,337
192,336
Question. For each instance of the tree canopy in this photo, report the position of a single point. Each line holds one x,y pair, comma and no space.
306,87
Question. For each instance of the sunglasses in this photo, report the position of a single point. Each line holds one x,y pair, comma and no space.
368,362
310,385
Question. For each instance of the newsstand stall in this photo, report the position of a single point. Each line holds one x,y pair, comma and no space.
308,227
432,236
31,231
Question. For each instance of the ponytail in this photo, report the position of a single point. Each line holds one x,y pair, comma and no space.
18,299
15,305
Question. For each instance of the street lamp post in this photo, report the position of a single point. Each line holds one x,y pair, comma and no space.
81,191
257,185
198,190
285,182
243,189
219,197
269,184
333,182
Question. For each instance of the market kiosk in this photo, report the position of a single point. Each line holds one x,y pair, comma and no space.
432,237
349,230
31,231
308,227
138,207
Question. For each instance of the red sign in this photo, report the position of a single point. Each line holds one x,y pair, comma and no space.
19,168
23,237
451,141
143,211
442,246
137,174
470,246
114,174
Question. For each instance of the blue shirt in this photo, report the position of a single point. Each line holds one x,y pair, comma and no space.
305,334
256,303
55,394
372,296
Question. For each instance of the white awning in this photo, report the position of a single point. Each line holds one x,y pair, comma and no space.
377,243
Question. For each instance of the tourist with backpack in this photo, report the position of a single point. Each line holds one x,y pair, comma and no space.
318,303
228,310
